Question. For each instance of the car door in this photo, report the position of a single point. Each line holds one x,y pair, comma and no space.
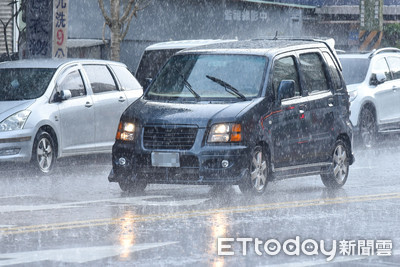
127,83
76,114
109,103
385,94
394,117
321,103
287,121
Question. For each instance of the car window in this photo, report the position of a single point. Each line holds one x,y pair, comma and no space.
73,82
334,72
100,78
126,78
381,66
394,65
285,69
313,70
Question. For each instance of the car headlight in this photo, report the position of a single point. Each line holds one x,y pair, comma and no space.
225,132
15,121
126,131
353,95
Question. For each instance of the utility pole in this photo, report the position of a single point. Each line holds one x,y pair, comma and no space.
371,24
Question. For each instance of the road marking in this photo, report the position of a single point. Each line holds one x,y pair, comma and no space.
75,255
197,213
140,201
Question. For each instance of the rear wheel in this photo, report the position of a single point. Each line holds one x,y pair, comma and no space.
337,174
256,182
43,152
132,186
368,131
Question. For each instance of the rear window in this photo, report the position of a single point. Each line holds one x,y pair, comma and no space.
354,69
151,62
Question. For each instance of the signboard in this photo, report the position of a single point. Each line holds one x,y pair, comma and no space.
371,24
46,28
60,28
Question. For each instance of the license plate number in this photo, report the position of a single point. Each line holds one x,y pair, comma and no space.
161,159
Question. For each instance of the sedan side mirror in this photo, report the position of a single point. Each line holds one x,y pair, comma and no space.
378,78
65,95
285,90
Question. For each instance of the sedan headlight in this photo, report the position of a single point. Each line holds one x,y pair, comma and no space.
126,131
15,121
225,132
353,95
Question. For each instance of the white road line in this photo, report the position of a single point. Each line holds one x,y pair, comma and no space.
75,255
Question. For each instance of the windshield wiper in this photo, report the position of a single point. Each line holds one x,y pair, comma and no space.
229,88
188,85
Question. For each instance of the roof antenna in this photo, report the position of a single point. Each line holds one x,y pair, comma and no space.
276,36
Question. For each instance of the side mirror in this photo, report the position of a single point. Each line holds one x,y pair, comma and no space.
378,78
285,90
65,95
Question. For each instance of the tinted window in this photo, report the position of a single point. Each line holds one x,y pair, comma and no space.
285,69
125,77
151,63
73,82
207,75
333,71
394,64
100,78
381,66
354,69
20,84
313,70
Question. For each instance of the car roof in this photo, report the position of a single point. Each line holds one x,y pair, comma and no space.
53,63
382,51
182,44
256,47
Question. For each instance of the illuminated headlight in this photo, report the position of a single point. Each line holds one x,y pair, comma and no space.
353,95
15,121
225,132
126,131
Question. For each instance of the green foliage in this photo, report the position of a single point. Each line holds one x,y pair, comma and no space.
391,35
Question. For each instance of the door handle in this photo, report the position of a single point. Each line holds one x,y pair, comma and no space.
302,108
88,104
121,99
331,102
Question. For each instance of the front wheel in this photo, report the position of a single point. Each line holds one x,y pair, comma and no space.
337,174
368,132
256,182
43,152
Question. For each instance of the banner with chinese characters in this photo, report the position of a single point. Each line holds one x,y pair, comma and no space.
60,28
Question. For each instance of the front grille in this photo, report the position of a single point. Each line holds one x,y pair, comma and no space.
165,137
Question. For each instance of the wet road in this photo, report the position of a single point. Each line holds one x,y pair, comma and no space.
75,217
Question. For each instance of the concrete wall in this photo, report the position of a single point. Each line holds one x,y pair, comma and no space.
187,19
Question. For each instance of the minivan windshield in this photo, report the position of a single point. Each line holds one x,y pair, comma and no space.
24,83
209,76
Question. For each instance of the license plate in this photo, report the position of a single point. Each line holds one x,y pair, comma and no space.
161,159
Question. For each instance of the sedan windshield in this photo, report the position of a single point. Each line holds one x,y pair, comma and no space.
204,77
354,69
24,83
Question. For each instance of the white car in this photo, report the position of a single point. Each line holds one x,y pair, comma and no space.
56,108
373,83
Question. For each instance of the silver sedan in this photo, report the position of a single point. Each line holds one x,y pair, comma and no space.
56,108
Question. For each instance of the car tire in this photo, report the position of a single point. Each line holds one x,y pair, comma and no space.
132,186
256,179
43,152
336,175
368,129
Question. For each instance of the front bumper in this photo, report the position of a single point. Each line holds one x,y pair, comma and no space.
16,145
203,167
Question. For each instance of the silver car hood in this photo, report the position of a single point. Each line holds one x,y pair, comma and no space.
7,108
